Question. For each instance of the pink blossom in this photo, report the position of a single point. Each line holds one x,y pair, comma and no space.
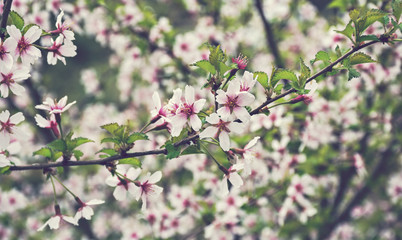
51,123
59,51
358,162
85,211
9,78
55,107
247,82
248,155
54,222
63,29
8,127
146,188
241,61
159,110
6,49
187,111
306,98
24,47
123,185
220,129
233,177
234,102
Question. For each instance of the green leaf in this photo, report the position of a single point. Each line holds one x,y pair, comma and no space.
192,149
373,15
341,4
370,37
45,152
111,127
278,89
359,58
109,139
172,151
262,78
120,132
353,73
17,20
397,9
81,140
58,144
305,73
5,170
354,15
137,136
322,56
284,74
348,31
205,65
78,154
131,161
110,152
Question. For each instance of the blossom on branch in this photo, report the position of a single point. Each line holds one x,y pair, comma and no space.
146,188
55,107
24,47
63,28
6,49
8,127
187,111
123,185
85,211
58,50
9,78
54,222
51,123
220,129
234,102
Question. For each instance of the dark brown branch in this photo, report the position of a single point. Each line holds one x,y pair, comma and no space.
6,11
271,42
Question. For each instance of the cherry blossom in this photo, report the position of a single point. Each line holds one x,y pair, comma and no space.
220,129
248,155
8,127
241,61
54,222
85,211
9,78
55,107
306,98
187,111
159,110
233,177
24,43
247,82
234,102
51,123
358,162
58,50
6,50
146,188
123,185
63,29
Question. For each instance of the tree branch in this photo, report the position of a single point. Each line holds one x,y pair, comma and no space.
271,42
4,18
184,141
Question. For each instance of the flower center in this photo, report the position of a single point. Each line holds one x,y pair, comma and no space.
23,45
231,103
7,79
7,126
187,109
221,125
2,52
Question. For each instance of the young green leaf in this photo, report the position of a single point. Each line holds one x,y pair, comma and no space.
262,78
205,65
111,127
348,31
5,170
78,154
321,56
172,151
359,58
17,20
370,37
353,73
372,16
58,144
305,73
108,151
109,139
137,136
45,152
284,74
397,9
81,140
131,161
192,149
223,68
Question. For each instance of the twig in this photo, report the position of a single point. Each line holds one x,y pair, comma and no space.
6,11
269,35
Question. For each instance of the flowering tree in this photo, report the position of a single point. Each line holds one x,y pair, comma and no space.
175,133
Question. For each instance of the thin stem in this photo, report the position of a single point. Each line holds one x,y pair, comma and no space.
64,186
213,158
143,128
278,105
54,191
